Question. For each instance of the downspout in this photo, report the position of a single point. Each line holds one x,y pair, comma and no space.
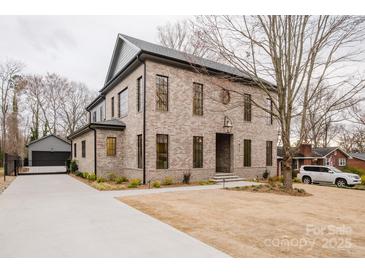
95,165
144,120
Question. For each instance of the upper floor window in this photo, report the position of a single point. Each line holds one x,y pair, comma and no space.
94,116
198,99
247,107
268,153
139,94
270,109
246,152
162,151
162,90
342,161
139,151
101,113
111,146
123,103
112,102
83,149
197,152
75,150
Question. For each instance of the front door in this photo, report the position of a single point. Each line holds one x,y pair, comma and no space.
223,152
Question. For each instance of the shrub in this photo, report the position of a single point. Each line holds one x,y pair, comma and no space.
296,180
266,174
167,181
363,179
186,177
85,175
135,181
73,166
156,184
78,173
91,177
112,177
355,170
122,179
133,184
100,180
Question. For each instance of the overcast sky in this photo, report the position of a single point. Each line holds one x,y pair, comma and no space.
78,47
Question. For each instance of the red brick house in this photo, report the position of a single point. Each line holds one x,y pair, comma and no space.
357,160
331,156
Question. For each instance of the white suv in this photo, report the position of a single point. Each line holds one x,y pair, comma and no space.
327,174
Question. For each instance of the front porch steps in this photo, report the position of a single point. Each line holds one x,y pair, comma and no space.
227,177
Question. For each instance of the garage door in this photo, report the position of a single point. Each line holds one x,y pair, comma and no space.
48,158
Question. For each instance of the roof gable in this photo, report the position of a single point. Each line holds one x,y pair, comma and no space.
47,137
124,52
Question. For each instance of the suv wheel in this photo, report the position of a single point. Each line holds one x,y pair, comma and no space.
307,180
341,182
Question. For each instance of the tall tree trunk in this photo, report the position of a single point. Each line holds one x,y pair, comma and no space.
287,171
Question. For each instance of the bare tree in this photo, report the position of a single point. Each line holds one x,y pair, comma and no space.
324,115
73,104
183,36
352,139
55,88
9,72
295,53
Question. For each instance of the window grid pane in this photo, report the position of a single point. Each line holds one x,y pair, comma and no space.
247,107
161,93
197,152
112,102
268,153
111,146
247,153
139,151
123,103
83,149
162,151
139,94
198,99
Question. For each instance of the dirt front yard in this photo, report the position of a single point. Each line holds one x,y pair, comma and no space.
331,223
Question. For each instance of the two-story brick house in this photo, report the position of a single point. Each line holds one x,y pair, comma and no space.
190,119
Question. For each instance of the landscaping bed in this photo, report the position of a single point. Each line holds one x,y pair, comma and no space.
271,188
4,184
113,182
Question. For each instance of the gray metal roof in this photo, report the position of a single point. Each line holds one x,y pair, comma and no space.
182,56
112,122
107,124
47,136
357,155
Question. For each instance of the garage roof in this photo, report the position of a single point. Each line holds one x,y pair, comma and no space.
47,136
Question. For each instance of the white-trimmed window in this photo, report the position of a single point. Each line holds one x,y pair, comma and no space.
342,161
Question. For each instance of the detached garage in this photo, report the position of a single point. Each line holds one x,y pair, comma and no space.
50,150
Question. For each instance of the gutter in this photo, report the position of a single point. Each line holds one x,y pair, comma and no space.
144,120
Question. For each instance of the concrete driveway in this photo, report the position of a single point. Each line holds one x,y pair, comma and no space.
56,216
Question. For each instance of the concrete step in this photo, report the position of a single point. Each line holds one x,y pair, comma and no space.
223,174
225,177
236,179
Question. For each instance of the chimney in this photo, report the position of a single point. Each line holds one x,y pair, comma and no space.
306,150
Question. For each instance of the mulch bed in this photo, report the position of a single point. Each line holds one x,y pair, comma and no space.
272,188
106,186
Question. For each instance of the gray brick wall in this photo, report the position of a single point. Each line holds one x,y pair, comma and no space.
181,125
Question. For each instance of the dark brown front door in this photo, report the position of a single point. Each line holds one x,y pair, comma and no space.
223,152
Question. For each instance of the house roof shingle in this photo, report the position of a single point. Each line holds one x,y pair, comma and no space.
360,156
